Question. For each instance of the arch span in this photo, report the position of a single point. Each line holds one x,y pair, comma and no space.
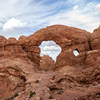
68,38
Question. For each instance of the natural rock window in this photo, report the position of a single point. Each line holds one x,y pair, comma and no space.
76,52
50,48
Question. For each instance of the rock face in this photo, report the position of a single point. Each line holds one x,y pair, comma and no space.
24,75
11,48
47,63
68,38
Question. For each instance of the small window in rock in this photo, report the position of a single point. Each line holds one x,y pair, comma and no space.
76,52
50,48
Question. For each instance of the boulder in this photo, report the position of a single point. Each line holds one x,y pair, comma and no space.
47,63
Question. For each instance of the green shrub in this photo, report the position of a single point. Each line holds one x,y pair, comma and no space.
12,97
31,94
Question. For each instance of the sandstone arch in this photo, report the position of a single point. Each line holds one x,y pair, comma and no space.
68,38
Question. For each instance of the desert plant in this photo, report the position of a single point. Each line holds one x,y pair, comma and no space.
31,94
12,97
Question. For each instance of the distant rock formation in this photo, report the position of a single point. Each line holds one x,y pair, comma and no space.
24,75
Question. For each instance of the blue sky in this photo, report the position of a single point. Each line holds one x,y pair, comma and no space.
24,17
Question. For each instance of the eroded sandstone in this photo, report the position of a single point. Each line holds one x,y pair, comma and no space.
24,75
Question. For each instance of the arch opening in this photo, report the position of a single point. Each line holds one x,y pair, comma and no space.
50,48
76,52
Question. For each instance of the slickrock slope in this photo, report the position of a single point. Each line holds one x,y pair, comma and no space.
24,75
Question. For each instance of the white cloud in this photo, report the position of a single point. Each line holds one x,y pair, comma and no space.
98,8
12,23
34,13
80,17
75,7
76,13
50,48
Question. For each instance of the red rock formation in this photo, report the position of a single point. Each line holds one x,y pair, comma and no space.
47,63
95,39
24,75
68,38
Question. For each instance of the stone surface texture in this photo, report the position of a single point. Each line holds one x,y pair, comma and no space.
24,75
